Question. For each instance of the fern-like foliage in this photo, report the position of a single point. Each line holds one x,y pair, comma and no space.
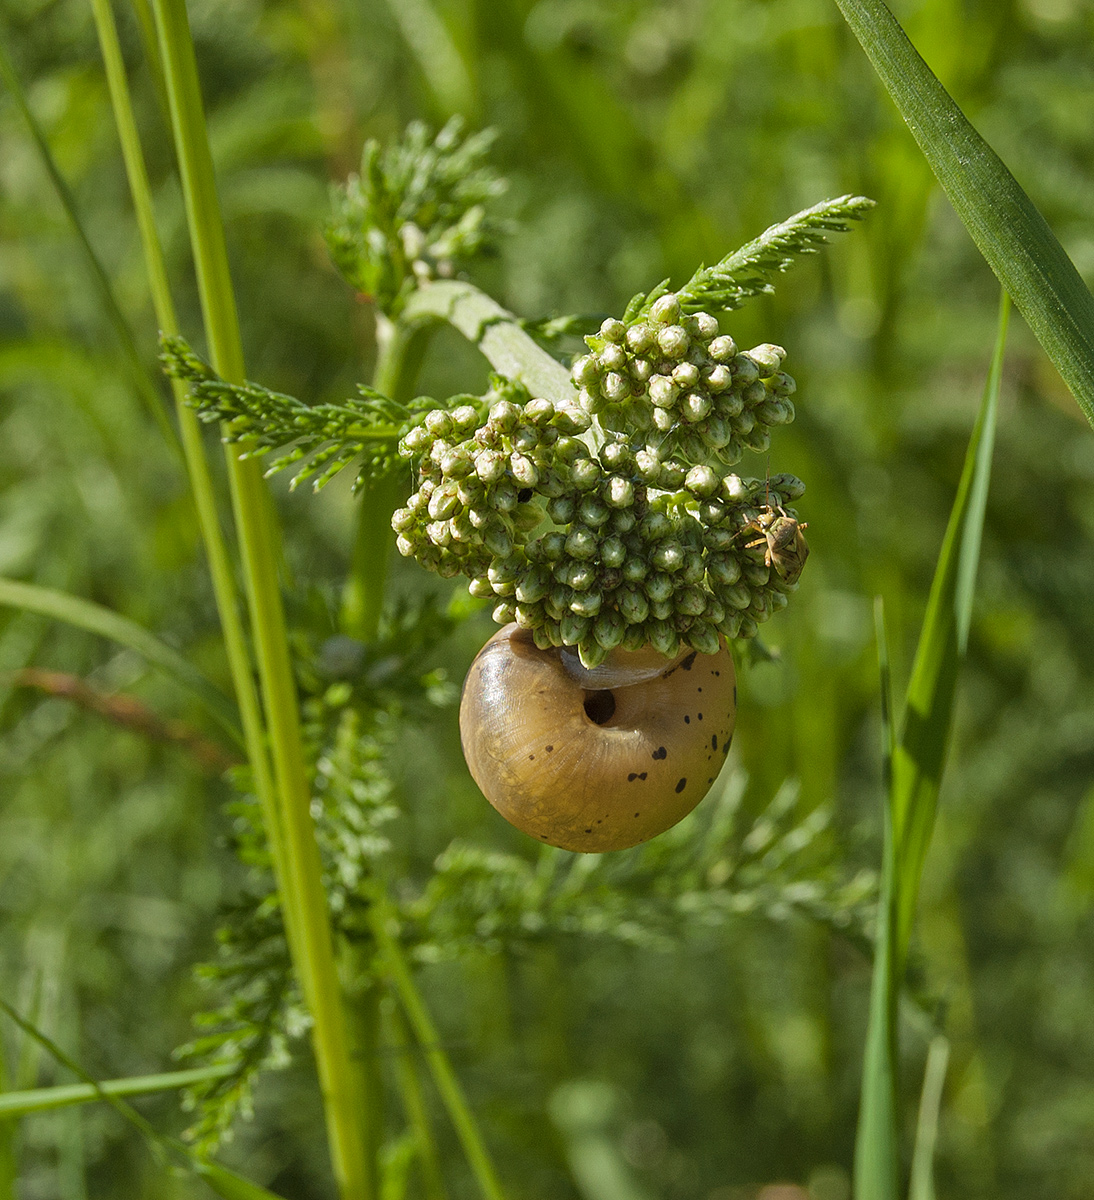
323,437
702,873
747,272
417,211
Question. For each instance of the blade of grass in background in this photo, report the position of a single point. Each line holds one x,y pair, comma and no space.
138,371
914,762
224,1182
921,1186
302,889
85,614
20,1104
1011,234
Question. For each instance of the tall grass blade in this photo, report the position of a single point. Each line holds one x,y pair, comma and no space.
301,887
921,1186
1012,235
94,618
438,56
21,1104
138,371
921,746
877,1141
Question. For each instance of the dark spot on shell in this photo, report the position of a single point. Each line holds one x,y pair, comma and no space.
636,814
688,662
727,744
699,715
544,836
718,673
643,775
660,752
734,693
714,742
709,782
531,758
687,720
588,831
632,777
681,785
549,749
600,820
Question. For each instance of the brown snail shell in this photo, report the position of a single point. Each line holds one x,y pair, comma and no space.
595,760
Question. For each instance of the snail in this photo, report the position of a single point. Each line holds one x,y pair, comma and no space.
601,759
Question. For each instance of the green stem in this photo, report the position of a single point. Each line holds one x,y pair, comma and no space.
201,482
401,348
303,893
496,332
417,1115
395,966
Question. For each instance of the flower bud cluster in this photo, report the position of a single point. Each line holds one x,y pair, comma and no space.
673,379
589,547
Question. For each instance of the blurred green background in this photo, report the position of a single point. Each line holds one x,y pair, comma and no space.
640,138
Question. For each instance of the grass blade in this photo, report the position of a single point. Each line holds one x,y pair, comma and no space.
877,1146
21,1104
921,1186
1004,223
94,618
921,747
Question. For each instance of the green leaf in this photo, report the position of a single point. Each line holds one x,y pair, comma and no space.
920,752
1012,235
230,1185
85,614
921,1185
20,1104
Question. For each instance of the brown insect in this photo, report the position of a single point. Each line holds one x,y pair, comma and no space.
786,547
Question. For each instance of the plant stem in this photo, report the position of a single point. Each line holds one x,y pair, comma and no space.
417,1115
401,348
496,332
426,1032
314,951
19,1104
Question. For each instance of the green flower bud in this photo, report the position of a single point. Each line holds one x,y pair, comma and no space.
758,441
480,587
489,465
402,518
730,625
612,552
526,517
404,545
703,638
608,629
756,573
685,376
504,612
659,587
734,489
461,528
718,378
654,526
717,538
613,358
552,546
633,605
585,474
524,470
582,576
543,635
505,497
672,475
665,310
716,431
502,577
504,416
635,570
641,370
622,521
617,456
663,638
415,441
768,358
444,502
586,371
661,610
745,371
593,511
438,533
694,568
619,492
557,602
744,423
639,338
738,596
663,419
570,449
480,517
457,463
497,540
724,570
573,628
615,387
691,601
465,418
789,485
561,510
525,439
706,326
571,419
747,628
662,391
782,384
591,653
716,611
722,349
438,422
754,394
669,556
529,616
540,413
648,465
694,407
779,600
613,330
582,543
673,341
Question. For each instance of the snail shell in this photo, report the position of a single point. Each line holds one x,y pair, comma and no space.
595,760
